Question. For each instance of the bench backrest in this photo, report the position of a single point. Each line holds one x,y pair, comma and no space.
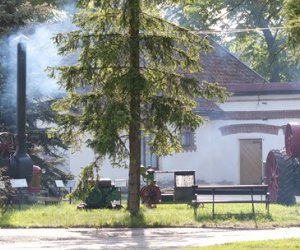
231,190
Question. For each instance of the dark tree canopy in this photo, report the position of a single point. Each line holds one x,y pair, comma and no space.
264,49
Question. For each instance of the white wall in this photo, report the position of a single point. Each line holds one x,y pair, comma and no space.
85,156
216,159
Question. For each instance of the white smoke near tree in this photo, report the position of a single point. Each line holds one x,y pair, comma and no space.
41,53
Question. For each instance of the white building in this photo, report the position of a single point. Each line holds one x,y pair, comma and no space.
238,134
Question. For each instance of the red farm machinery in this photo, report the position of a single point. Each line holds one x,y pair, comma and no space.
282,169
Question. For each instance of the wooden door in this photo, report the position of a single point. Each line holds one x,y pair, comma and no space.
250,161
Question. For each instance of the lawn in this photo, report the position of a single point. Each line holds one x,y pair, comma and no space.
291,244
165,215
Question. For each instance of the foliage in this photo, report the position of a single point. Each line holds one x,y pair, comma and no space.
85,185
132,76
18,13
46,152
6,193
291,12
264,50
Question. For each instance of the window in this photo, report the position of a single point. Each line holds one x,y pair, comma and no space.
187,140
147,157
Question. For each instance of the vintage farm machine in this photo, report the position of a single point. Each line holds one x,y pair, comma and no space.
13,153
102,194
182,190
282,169
150,194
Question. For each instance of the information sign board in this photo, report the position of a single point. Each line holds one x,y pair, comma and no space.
59,184
18,183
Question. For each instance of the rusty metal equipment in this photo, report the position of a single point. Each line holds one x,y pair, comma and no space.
150,194
13,153
282,169
182,189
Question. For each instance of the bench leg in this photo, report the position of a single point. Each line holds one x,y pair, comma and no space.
252,201
195,210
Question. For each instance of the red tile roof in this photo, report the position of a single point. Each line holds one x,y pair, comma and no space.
219,65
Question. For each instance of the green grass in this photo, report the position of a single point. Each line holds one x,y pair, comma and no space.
290,244
165,215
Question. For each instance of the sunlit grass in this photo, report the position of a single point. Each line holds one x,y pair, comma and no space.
165,215
290,244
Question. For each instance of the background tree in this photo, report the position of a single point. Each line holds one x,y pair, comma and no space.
132,77
291,12
264,50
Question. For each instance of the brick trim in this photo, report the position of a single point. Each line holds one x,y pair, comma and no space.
250,128
255,115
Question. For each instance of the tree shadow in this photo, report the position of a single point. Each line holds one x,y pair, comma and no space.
240,217
137,221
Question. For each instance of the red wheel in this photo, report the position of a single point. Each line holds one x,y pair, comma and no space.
271,176
292,140
7,144
150,195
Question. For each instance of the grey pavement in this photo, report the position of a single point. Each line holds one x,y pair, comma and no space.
151,238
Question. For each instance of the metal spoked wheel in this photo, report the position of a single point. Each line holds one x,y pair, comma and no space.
150,195
271,176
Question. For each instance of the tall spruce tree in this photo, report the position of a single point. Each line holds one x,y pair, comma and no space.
133,76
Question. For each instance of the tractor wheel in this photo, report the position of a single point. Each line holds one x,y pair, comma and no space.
150,195
279,176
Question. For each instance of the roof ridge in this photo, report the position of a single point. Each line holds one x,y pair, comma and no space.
225,50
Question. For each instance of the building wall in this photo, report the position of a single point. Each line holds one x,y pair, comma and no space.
217,157
85,156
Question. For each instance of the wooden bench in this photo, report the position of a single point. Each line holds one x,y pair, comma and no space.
237,194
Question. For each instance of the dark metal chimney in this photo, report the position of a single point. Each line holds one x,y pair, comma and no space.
21,98
21,163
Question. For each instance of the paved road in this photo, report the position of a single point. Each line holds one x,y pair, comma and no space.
158,238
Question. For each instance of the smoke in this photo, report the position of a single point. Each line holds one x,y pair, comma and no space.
41,53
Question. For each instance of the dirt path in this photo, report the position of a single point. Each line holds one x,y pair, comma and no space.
157,238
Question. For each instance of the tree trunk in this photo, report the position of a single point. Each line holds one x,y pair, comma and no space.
273,49
134,127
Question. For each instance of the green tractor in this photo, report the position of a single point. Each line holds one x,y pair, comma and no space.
102,194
